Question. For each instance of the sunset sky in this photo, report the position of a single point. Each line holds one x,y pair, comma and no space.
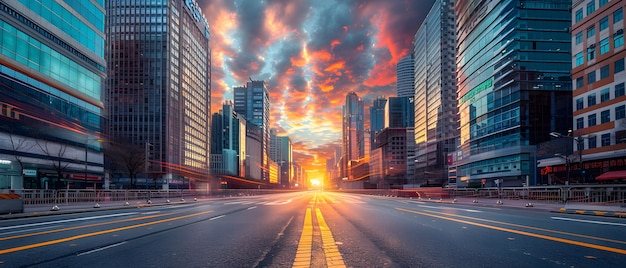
311,54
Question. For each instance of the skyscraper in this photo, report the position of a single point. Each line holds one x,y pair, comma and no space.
281,153
514,86
52,70
405,79
159,85
353,132
253,102
377,117
436,113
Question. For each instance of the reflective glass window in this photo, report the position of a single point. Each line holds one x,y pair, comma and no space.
579,104
579,15
604,46
591,120
604,72
619,90
619,65
620,112
604,23
580,123
579,38
618,39
591,100
591,77
605,139
618,15
591,7
579,59
605,95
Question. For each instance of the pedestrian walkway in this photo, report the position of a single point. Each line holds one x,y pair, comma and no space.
593,209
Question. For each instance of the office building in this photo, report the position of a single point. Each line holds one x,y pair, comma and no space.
377,117
435,99
405,80
353,132
52,70
513,86
159,85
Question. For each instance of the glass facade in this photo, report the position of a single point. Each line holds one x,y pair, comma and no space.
514,85
52,70
158,87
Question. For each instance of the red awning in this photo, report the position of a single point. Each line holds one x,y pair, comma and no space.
612,175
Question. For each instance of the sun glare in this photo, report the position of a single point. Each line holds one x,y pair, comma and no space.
315,182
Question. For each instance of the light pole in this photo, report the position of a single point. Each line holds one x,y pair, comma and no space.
579,140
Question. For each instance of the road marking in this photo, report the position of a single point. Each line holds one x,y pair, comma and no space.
217,217
79,227
68,220
589,221
251,208
333,256
303,254
445,207
101,249
551,238
71,238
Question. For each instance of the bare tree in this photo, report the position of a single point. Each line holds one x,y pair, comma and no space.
57,153
128,158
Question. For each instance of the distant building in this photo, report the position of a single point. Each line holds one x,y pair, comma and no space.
353,132
52,71
229,141
377,117
513,86
253,102
389,159
159,85
281,154
405,79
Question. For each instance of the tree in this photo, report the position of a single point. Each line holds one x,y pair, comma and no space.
128,158
56,151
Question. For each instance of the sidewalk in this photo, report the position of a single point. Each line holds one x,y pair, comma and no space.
594,209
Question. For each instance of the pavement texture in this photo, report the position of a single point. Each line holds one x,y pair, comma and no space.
592,209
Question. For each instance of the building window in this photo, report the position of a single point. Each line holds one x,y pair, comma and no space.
591,53
591,7
591,120
605,116
579,38
591,100
604,95
604,72
579,82
604,23
619,65
606,139
620,112
619,90
604,46
618,38
580,123
592,142
579,59
618,15
603,2
591,77
579,104
590,33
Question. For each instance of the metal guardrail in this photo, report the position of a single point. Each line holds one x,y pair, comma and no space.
598,194
66,196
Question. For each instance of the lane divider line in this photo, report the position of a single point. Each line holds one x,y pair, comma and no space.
303,254
71,238
333,256
550,238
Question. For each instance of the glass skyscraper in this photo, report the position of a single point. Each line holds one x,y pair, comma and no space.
353,132
52,69
159,83
405,77
514,86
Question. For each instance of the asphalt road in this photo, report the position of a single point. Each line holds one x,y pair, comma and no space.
314,229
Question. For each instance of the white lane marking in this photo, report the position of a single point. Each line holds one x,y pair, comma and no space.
68,220
444,207
279,203
589,221
102,248
217,217
151,212
251,208
29,230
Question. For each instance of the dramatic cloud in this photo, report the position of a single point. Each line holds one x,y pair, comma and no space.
311,54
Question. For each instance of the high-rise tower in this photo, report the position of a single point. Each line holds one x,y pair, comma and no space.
353,132
159,85
405,79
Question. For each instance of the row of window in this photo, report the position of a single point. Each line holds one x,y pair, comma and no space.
605,95
605,117
605,47
591,7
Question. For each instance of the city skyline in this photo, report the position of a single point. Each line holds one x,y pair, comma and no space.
311,54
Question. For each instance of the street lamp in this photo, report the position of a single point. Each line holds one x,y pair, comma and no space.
579,140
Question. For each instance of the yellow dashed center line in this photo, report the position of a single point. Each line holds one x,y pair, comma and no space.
333,257
303,254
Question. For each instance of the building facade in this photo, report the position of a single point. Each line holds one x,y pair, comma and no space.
405,77
435,99
514,86
353,132
599,100
253,102
159,84
377,117
281,154
52,70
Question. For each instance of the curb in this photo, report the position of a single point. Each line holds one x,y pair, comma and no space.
617,214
